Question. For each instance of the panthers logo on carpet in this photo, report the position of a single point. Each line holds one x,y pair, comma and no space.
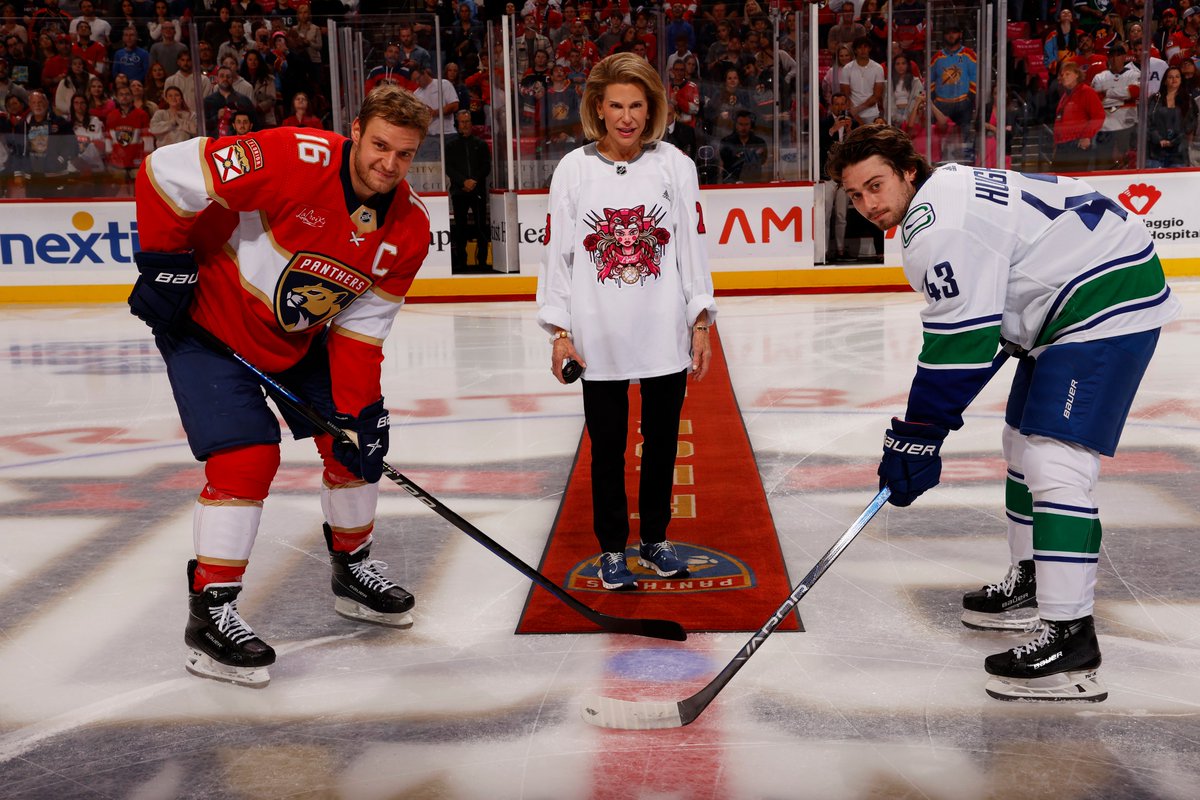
709,571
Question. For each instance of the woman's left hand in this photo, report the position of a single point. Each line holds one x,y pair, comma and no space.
701,353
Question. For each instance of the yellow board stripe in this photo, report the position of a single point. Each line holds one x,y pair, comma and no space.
499,285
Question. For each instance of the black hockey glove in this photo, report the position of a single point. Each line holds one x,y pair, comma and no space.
912,461
163,291
371,428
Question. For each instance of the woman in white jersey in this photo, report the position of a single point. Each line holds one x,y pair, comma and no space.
625,294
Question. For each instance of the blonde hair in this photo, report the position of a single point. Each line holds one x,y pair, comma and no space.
624,68
395,106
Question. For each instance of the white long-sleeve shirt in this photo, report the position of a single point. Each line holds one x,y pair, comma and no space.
625,269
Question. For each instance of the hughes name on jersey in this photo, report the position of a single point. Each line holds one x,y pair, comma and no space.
626,269
1035,260
284,246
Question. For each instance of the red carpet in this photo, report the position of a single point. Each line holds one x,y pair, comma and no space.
721,525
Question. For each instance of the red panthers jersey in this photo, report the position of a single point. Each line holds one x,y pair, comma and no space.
285,248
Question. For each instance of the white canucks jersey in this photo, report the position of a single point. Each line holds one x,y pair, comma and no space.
1037,260
625,267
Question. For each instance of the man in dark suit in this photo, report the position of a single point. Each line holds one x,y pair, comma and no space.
681,135
468,165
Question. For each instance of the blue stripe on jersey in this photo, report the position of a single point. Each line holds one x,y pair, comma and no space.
1068,559
1065,507
966,323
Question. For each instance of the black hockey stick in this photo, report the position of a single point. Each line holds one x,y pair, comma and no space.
608,712
652,628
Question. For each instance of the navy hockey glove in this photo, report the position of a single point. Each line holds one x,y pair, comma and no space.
163,291
371,427
912,461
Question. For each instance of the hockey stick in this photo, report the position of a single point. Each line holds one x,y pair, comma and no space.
652,628
609,712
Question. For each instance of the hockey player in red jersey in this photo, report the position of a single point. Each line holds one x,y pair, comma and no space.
295,247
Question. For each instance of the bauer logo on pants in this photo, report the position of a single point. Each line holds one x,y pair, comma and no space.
709,571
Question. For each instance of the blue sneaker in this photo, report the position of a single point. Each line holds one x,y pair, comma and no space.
614,572
662,558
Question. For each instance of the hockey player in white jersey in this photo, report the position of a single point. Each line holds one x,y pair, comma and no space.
1050,271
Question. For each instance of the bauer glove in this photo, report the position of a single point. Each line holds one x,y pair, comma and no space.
912,461
370,427
163,291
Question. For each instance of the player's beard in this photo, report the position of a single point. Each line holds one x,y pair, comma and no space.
371,179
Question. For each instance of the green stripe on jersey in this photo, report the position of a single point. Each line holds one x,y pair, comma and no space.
965,348
1115,287
1065,534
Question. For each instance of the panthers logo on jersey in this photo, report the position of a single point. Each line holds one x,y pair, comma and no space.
314,289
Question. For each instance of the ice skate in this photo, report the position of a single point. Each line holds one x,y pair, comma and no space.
1059,664
221,646
1010,605
361,593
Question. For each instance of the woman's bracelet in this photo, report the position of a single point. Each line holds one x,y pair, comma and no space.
560,335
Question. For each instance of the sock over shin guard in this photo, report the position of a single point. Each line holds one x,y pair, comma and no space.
227,512
347,501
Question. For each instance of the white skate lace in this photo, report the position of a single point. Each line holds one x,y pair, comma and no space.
230,622
1044,638
365,572
1008,584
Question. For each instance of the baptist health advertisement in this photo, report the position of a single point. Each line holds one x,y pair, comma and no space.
760,240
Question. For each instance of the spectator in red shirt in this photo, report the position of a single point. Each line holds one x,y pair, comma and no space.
300,117
1183,44
94,53
126,126
1077,120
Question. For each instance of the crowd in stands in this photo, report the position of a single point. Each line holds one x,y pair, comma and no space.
87,87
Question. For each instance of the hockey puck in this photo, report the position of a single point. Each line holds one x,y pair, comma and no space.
571,371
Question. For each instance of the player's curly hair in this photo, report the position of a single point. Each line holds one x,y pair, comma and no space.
889,143
624,68
396,106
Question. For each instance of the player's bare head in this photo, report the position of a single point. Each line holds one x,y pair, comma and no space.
891,144
386,136
631,69
395,106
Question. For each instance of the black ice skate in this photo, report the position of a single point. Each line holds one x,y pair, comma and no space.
221,644
361,593
1010,605
1059,664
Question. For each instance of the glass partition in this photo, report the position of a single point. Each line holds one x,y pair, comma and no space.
749,84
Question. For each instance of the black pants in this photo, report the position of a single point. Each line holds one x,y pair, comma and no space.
606,411
460,232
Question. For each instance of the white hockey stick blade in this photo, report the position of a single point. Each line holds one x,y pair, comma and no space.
608,712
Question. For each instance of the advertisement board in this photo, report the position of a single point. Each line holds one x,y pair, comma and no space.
760,239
